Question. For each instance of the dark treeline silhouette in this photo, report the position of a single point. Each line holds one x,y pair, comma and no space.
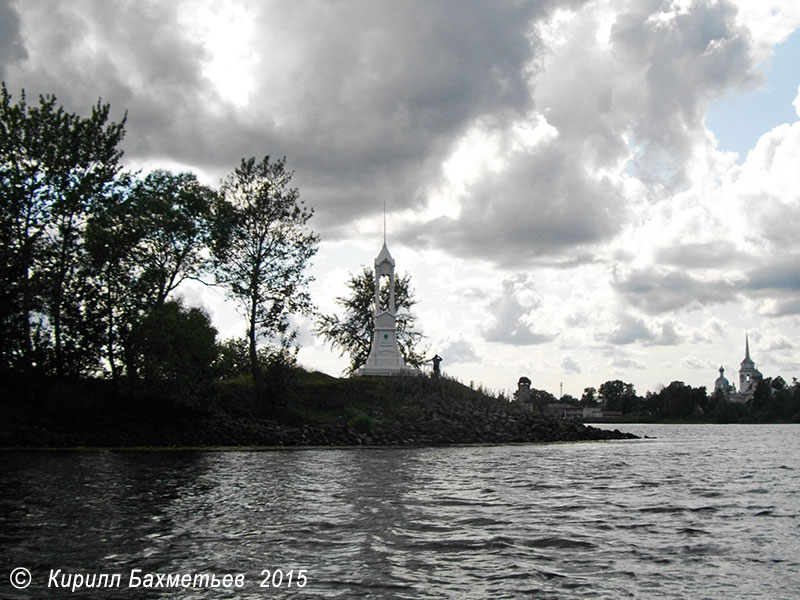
773,400
92,255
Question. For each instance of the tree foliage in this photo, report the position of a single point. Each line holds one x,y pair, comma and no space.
233,358
264,250
589,396
91,256
174,344
55,168
618,395
144,241
352,333
677,400
542,397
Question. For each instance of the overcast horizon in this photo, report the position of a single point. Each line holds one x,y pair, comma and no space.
581,191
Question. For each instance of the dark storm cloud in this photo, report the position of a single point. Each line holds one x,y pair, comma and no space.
646,93
135,56
681,59
657,291
783,274
542,205
381,91
367,99
364,98
12,48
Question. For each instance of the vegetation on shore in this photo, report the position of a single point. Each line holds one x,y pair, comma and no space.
313,410
92,256
773,401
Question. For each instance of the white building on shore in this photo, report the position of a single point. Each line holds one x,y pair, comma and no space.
749,377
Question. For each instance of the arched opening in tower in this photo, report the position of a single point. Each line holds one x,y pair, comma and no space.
385,282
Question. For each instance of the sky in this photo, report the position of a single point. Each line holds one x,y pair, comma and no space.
580,190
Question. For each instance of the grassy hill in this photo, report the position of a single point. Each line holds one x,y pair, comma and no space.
302,409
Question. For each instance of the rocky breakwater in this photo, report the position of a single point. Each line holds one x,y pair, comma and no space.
482,425
446,422
428,414
438,421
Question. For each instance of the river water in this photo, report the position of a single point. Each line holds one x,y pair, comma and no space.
701,511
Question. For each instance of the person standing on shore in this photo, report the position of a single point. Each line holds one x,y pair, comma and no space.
436,362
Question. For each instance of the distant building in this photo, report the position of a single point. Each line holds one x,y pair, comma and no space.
723,386
592,412
523,393
561,410
749,377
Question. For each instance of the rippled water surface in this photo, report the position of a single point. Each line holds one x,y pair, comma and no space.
703,511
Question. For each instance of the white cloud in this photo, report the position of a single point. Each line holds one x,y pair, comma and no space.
459,351
513,311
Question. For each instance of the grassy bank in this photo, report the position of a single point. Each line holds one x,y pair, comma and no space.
303,409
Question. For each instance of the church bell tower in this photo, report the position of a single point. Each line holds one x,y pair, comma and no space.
749,376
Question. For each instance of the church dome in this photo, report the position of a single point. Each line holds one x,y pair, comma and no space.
722,383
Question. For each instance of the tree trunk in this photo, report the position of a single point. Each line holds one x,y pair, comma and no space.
27,311
251,334
111,359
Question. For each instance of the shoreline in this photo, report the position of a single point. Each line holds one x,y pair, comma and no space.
222,449
313,411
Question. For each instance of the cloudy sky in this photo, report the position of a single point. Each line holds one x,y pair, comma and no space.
580,190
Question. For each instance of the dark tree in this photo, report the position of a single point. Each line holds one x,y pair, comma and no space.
144,242
542,397
174,213
174,345
677,400
589,396
352,333
54,168
617,395
264,251
233,358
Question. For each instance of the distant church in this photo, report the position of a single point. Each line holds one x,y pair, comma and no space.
749,377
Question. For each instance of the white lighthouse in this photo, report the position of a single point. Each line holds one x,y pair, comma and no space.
384,354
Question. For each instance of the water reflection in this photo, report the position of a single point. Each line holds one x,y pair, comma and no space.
696,509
